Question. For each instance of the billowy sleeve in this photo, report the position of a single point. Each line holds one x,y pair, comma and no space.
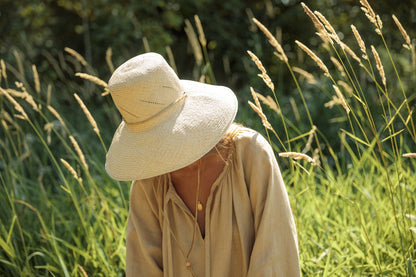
143,234
275,249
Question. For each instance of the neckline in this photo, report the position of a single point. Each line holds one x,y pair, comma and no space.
225,170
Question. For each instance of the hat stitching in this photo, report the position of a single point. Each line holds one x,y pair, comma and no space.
151,102
159,112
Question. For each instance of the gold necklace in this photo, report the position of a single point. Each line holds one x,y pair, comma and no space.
198,207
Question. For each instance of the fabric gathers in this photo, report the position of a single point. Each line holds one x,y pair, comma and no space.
249,227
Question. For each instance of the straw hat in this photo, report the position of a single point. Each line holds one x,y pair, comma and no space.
167,123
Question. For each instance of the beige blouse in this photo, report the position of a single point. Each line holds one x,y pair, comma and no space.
249,227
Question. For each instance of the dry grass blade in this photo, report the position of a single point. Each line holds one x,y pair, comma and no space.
380,67
87,114
272,40
313,56
409,155
76,55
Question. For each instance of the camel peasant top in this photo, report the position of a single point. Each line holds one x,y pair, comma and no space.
249,227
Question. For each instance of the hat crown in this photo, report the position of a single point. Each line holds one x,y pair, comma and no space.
143,86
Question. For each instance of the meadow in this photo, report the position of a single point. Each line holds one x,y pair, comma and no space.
352,191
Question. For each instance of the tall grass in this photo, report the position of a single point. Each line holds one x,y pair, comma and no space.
353,195
355,209
60,213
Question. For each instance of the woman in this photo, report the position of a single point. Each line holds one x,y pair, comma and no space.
207,197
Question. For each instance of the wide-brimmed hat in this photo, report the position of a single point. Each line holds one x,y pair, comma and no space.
167,123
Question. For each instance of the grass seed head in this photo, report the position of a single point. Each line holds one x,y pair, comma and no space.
27,97
193,40
92,78
338,65
380,67
346,87
3,69
16,105
79,152
310,139
36,78
87,114
108,55
256,99
372,16
360,41
308,76
266,78
322,33
269,102
272,40
56,114
402,31
263,117
313,56
342,99
76,55
297,156
331,31
351,53
71,170
200,30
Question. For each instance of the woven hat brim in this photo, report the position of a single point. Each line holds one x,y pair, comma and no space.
199,124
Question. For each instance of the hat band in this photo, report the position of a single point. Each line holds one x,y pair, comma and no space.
156,118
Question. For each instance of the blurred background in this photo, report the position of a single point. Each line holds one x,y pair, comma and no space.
39,30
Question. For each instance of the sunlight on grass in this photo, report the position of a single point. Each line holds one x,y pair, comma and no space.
353,195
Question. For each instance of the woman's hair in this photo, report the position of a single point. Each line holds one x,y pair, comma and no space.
226,142
234,130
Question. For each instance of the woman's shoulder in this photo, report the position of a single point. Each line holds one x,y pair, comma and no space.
151,187
250,139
